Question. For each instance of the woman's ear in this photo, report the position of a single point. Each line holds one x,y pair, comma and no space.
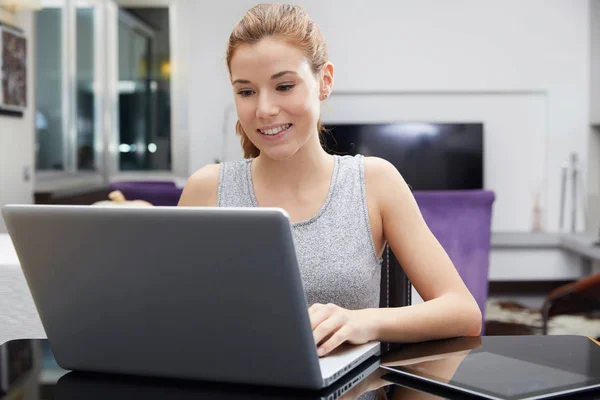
326,80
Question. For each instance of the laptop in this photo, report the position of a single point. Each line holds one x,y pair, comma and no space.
186,292
499,367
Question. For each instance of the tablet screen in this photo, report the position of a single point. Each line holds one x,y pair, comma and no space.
501,376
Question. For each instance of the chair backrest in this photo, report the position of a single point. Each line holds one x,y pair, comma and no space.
396,289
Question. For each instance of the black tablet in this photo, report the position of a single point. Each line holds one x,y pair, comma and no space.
501,367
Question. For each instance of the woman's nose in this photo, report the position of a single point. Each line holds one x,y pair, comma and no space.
267,107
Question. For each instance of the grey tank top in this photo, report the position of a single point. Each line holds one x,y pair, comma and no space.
335,250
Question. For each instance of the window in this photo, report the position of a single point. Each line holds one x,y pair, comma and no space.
144,95
49,90
85,117
102,88
65,90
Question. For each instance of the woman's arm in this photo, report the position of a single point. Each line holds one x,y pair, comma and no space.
449,309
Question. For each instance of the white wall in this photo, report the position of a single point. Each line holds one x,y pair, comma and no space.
17,134
514,128
593,182
6,17
535,52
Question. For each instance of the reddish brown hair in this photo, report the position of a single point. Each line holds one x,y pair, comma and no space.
292,24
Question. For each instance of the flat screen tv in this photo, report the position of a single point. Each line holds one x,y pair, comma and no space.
430,156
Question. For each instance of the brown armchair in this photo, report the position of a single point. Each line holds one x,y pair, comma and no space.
577,297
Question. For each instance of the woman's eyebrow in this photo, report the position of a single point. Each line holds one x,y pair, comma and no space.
282,73
244,81
274,76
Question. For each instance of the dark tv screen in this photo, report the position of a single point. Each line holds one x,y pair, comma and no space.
430,156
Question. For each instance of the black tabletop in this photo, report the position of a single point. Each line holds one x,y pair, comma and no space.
28,370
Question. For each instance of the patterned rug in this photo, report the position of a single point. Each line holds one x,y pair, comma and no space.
507,317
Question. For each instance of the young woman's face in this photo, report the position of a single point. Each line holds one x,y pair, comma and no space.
277,96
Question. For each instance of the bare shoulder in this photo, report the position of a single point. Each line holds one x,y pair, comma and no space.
375,166
201,188
384,180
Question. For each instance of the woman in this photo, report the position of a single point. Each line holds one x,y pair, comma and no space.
344,209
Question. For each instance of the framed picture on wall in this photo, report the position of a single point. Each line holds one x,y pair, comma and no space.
13,71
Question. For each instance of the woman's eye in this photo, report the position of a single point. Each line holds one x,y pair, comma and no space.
246,93
285,88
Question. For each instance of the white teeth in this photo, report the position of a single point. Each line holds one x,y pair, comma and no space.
275,131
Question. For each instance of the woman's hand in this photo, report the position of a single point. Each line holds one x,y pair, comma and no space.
333,325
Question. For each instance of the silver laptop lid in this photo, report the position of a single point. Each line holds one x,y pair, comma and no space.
220,286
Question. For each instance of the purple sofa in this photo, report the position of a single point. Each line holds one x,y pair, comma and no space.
158,193
461,221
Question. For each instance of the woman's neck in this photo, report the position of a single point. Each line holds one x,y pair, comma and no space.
302,170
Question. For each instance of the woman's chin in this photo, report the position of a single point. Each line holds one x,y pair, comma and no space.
278,153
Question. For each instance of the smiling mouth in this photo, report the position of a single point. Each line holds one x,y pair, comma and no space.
275,131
